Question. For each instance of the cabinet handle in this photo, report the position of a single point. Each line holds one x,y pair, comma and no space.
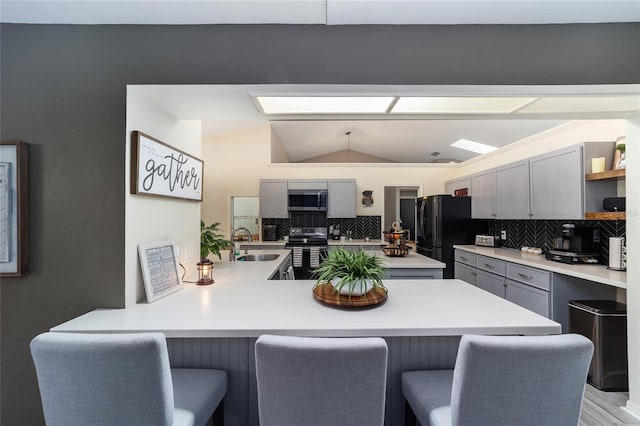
494,214
463,258
474,274
526,277
530,214
489,266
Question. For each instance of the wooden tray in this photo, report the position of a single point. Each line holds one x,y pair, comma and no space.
325,293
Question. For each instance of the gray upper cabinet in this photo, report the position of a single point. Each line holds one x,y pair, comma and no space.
306,184
557,184
551,186
273,198
512,191
342,198
483,200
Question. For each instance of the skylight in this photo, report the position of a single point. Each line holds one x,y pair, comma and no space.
324,104
478,147
459,104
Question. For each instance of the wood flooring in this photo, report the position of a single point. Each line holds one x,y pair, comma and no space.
604,408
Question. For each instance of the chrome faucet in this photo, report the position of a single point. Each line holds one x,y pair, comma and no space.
232,256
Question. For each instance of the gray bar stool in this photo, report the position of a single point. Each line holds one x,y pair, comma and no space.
122,379
321,381
503,381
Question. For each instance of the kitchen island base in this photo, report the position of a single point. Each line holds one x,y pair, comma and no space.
237,357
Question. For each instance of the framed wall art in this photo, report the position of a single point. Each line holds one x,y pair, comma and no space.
159,263
14,213
161,170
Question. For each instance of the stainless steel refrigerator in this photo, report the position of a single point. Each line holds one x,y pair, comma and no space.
443,221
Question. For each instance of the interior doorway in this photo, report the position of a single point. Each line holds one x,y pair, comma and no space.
400,206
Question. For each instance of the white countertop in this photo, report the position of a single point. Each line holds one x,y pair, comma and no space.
243,303
330,242
596,273
410,261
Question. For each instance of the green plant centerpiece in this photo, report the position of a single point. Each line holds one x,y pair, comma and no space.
211,240
351,273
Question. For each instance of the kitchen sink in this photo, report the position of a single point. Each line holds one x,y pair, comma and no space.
257,257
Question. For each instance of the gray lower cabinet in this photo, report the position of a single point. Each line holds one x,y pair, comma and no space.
532,298
543,292
465,273
526,287
494,284
283,271
412,274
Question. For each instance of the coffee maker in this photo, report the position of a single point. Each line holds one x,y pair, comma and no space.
575,245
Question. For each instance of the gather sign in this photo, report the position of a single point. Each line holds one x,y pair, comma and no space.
159,169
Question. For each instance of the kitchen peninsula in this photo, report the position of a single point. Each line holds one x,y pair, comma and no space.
216,326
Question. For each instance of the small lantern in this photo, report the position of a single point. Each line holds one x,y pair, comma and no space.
205,272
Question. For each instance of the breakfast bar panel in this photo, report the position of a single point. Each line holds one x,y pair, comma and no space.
237,357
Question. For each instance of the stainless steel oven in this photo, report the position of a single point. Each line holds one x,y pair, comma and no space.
308,248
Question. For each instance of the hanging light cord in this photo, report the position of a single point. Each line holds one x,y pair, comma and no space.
348,146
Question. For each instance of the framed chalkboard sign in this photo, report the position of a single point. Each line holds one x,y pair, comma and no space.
14,203
161,170
159,265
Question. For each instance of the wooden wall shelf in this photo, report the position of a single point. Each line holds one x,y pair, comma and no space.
608,174
605,216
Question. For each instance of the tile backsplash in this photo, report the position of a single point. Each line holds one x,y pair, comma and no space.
360,227
540,233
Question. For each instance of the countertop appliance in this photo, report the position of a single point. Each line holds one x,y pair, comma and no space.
308,247
269,233
443,221
575,245
307,200
488,240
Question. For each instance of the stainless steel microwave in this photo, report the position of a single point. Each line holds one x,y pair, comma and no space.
307,200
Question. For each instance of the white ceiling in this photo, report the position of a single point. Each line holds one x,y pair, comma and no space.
405,138
329,12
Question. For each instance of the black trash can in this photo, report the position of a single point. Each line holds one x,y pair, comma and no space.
604,322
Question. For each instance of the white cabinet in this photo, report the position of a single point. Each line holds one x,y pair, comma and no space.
483,200
273,198
557,185
512,191
342,198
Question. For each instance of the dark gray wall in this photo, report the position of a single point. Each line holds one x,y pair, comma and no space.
63,91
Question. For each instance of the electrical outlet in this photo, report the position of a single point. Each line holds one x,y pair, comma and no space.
187,254
503,235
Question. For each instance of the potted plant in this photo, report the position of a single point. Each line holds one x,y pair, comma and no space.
211,240
352,273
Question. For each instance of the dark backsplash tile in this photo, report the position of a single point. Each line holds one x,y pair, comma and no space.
540,233
360,227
